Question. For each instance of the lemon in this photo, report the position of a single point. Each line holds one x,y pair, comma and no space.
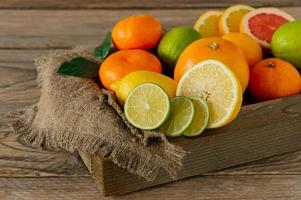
144,111
201,117
174,42
207,23
123,87
216,83
182,114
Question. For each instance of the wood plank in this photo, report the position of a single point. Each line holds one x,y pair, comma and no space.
120,4
43,29
202,188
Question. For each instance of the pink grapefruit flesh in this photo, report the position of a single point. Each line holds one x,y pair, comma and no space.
262,23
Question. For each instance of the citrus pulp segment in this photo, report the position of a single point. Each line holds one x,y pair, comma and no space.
262,23
182,114
216,83
230,19
207,23
147,106
201,117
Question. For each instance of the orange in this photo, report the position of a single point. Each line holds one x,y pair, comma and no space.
207,23
137,32
250,48
230,19
273,78
218,49
123,62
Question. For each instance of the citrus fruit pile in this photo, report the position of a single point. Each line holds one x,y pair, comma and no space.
191,78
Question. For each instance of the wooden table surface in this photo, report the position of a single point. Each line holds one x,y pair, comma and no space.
29,28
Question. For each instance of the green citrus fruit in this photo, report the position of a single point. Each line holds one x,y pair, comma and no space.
174,42
201,118
147,107
182,113
286,43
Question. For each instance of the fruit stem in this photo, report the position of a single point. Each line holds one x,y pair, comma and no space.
214,45
271,65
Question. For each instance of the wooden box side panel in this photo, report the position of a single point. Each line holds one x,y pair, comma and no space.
261,130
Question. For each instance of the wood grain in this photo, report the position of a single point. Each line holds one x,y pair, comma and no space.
19,89
121,4
44,29
202,188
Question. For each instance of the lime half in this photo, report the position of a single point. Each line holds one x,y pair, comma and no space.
201,118
182,114
147,106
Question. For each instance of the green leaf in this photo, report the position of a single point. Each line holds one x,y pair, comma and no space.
104,49
79,67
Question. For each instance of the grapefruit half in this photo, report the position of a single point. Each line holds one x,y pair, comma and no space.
261,24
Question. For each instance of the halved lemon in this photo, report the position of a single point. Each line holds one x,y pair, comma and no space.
230,19
207,23
216,83
147,106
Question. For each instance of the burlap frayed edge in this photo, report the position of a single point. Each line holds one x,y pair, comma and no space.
171,162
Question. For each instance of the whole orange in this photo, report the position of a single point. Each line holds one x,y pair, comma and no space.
250,48
214,48
123,62
273,78
137,32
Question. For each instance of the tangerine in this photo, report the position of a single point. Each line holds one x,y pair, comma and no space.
137,32
119,64
273,78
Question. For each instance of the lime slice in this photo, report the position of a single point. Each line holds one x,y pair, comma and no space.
201,118
182,114
147,106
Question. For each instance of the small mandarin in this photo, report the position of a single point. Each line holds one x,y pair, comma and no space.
123,62
137,32
273,78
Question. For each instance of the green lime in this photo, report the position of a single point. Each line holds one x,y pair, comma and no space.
174,42
147,106
182,114
201,118
286,43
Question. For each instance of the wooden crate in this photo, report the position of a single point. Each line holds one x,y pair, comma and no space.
260,131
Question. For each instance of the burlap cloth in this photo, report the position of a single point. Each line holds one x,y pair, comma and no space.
75,114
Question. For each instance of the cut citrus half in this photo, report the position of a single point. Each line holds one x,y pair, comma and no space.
216,83
201,117
207,23
182,114
230,19
144,111
261,24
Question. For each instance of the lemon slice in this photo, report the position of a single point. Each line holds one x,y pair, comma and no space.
230,19
215,82
201,117
147,106
182,114
207,23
